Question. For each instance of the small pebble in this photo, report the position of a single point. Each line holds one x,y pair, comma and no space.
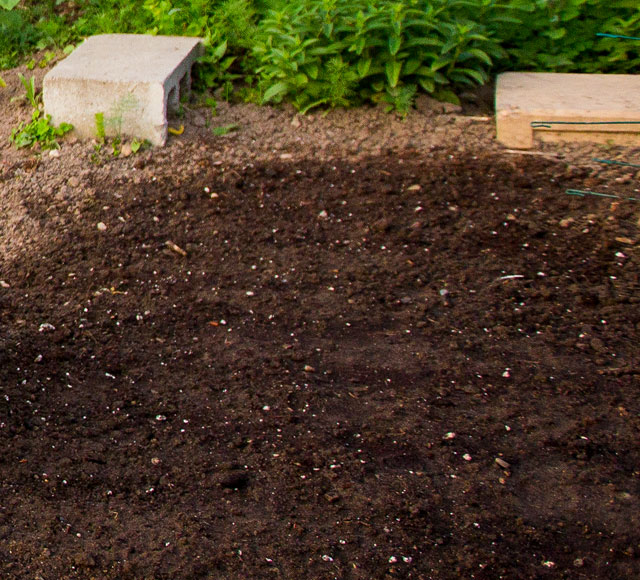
102,226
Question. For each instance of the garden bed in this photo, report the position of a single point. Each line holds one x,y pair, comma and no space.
358,348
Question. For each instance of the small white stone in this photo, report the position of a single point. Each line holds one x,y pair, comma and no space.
102,226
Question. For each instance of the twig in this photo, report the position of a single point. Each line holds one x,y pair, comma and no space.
175,248
540,153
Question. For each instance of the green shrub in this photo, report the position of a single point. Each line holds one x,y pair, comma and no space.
345,52
337,52
16,36
560,35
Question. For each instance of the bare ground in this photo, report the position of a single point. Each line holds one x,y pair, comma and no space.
332,346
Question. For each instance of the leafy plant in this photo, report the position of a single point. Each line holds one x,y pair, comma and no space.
39,131
560,35
377,46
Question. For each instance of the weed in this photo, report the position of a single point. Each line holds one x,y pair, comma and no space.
30,90
116,148
213,105
224,129
100,130
138,145
39,131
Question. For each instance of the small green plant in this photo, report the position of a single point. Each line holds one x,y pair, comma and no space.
39,131
137,145
116,146
224,129
30,90
100,131
212,103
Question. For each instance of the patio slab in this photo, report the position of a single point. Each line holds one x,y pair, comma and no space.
132,79
600,108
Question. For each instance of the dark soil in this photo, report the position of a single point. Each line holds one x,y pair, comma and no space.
417,365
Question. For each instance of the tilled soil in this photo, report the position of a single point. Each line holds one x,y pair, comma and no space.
399,362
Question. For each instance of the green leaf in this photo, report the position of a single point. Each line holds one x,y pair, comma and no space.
392,70
556,34
475,53
224,129
427,84
411,66
419,41
394,44
275,90
477,76
220,50
312,71
363,66
447,96
9,4
301,79
305,110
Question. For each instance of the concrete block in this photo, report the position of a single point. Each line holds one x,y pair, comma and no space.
132,79
523,98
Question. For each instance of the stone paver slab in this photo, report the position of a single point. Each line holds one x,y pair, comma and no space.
525,98
132,79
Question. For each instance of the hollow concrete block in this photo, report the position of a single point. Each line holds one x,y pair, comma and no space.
131,79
